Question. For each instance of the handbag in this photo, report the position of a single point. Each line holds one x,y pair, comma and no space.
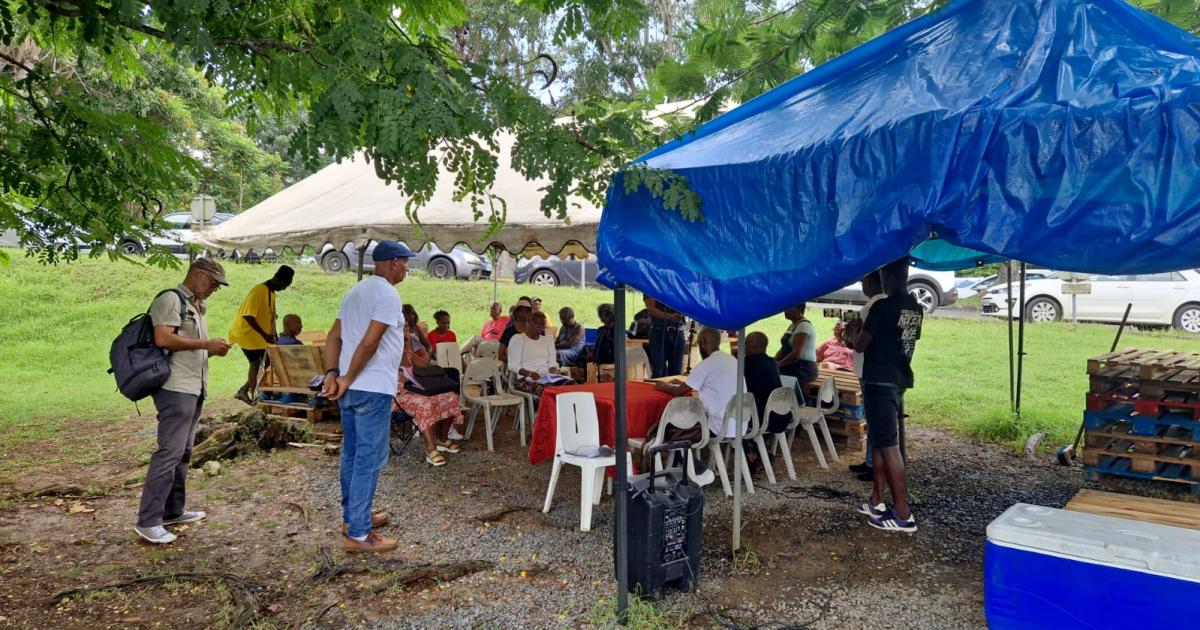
432,381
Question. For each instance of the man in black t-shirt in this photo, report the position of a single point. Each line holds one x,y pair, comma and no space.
887,341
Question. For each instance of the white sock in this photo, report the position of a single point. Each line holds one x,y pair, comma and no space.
362,538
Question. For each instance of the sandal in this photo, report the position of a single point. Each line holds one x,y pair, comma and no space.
446,446
435,459
244,396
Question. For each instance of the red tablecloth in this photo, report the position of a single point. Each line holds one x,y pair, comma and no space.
644,406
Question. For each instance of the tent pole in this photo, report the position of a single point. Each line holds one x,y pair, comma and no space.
1020,346
739,431
1012,382
583,273
620,532
495,256
362,253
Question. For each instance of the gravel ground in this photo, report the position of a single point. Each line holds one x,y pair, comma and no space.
813,562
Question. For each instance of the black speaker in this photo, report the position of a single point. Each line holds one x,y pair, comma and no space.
665,512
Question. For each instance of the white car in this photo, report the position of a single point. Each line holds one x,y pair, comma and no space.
969,287
1159,299
930,288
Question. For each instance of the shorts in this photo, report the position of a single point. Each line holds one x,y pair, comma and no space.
255,357
884,406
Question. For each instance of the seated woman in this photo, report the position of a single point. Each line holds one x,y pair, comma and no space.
797,355
415,338
570,341
442,333
602,350
432,415
531,355
833,353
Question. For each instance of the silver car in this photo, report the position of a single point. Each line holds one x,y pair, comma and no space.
460,262
553,271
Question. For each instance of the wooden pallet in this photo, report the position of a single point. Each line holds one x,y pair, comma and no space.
298,410
1127,381
1188,404
1151,364
848,433
848,386
1168,445
1173,513
295,366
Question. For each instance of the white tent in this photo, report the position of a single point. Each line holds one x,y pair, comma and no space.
348,202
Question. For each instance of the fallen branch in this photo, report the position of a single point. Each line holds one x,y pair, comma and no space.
492,517
52,490
410,572
241,589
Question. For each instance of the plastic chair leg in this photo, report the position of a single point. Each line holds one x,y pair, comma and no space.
781,444
587,487
768,465
812,437
553,484
521,424
717,460
829,440
471,421
488,425
598,484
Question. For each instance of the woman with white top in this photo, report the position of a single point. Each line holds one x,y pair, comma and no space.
798,355
532,355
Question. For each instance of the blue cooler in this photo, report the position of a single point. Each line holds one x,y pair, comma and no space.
1048,568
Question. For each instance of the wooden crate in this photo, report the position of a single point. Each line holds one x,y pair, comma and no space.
1155,365
848,433
1169,445
1172,513
299,411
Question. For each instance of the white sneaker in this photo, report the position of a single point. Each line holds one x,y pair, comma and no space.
453,434
704,478
157,534
188,516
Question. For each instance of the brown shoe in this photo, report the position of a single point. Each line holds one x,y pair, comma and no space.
378,519
373,544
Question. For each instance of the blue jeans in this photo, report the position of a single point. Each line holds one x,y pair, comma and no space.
665,350
366,424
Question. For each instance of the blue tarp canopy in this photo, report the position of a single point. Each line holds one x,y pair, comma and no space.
1064,133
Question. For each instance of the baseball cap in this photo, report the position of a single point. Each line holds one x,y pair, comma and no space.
390,250
211,267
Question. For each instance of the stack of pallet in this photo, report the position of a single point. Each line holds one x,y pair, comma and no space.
288,395
1146,510
848,424
1143,416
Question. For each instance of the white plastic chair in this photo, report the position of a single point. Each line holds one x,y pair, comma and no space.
637,363
447,355
783,401
480,373
530,400
579,428
487,349
811,418
682,413
716,444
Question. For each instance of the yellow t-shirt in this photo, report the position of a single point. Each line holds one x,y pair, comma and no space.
259,304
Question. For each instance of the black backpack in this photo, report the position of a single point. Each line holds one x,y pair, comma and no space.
139,366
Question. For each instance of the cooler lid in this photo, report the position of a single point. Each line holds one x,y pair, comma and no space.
1161,549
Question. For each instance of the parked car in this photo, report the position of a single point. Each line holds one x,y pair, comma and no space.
931,289
1159,299
179,232
554,271
461,262
969,287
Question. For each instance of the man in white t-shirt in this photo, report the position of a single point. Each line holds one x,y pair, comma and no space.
362,357
714,379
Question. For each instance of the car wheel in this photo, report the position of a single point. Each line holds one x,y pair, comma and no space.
1040,310
132,248
544,278
925,295
440,268
335,262
1187,318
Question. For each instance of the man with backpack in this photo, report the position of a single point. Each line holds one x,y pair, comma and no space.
180,328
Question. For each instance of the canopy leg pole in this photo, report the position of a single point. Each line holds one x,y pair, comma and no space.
362,254
583,273
739,431
1020,346
620,531
1012,382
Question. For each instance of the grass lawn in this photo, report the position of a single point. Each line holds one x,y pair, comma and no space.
56,324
